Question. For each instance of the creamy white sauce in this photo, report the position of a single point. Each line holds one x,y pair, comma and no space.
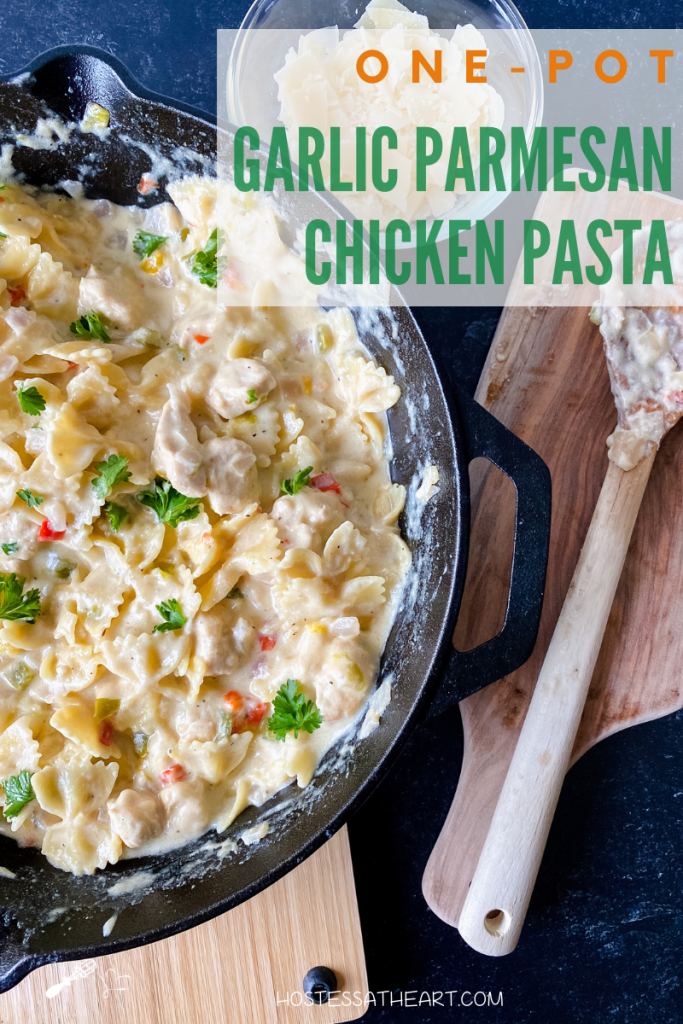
309,602
644,350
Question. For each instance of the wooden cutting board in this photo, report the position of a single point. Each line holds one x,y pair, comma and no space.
233,969
546,379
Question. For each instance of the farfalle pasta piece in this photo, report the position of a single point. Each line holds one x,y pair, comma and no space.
343,550
146,659
98,599
74,784
257,547
68,669
72,443
81,846
214,760
77,723
19,751
365,386
362,596
52,290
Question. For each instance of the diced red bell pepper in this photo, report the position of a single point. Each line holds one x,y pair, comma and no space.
106,732
17,295
325,482
267,642
201,338
47,533
256,713
176,773
235,703
147,184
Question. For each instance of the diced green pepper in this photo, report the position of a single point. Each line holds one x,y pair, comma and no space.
140,743
19,675
224,726
105,707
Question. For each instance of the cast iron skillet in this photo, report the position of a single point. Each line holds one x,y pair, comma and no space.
50,915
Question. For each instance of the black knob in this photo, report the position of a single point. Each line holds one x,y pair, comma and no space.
319,983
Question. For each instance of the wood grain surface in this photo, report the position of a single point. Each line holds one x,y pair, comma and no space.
232,969
546,379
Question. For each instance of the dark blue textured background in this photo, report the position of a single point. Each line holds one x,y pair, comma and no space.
602,941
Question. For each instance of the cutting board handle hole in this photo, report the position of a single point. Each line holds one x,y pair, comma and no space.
497,922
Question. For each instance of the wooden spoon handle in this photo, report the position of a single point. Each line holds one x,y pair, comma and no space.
496,904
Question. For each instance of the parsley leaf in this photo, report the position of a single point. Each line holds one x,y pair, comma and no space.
170,505
292,712
251,395
10,547
207,264
13,606
172,614
300,479
112,472
32,500
18,793
144,244
30,400
2,235
90,326
116,514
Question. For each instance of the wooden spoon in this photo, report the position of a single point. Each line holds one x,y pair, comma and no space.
648,391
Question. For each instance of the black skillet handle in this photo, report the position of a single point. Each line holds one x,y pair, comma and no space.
465,672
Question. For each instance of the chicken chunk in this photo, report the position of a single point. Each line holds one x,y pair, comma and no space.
16,527
238,385
116,296
136,817
230,467
185,809
214,641
177,454
306,519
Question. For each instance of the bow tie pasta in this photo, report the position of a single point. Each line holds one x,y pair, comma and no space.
199,556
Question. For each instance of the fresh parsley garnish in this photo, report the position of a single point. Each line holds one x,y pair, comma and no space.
112,472
292,712
207,264
171,506
172,614
18,793
251,395
299,480
30,400
14,606
116,514
32,500
10,547
2,234
90,326
144,243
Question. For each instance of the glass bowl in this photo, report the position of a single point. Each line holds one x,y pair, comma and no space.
271,27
